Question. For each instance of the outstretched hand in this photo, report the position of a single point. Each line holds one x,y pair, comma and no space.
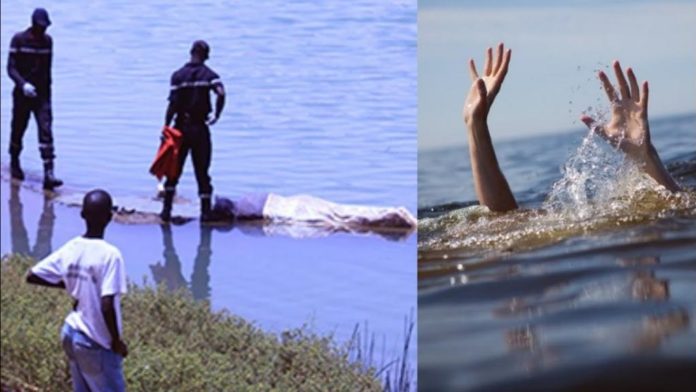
484,89
492,189
628,128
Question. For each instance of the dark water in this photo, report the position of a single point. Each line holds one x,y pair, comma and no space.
321,100
592,286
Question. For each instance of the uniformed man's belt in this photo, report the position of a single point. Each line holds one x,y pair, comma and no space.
190,119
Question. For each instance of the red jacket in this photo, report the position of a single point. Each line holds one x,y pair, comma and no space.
166,163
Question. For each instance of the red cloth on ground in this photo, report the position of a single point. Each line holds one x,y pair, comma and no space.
166,163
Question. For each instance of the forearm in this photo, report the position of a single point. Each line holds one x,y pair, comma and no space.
492,189
13,72
169,115
33,279
654,167
219,105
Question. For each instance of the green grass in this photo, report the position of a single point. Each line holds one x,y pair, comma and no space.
177,343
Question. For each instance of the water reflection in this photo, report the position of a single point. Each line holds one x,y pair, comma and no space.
200,278
645,285
650,331
655,329
170,273
18,231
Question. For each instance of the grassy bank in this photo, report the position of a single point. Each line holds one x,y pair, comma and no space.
175,344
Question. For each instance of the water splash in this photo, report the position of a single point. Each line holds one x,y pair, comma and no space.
592,178
600,189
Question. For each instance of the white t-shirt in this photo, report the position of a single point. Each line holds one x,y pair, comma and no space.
91,268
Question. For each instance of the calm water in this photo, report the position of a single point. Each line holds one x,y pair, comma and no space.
592,285
321,100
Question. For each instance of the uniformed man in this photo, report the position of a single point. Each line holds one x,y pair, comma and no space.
190,108
29,66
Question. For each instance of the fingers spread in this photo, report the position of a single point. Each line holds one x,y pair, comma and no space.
589,121
498,59
635,93
611,93
472,70
504,67
597,128
489,62
644,98
623,86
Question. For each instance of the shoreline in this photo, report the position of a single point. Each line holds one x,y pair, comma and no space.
172,340
54,222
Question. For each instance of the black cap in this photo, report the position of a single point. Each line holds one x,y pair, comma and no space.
40,18
201,48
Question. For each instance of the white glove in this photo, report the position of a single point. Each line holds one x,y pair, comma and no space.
29,90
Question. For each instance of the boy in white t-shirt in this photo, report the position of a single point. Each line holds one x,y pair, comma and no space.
92,271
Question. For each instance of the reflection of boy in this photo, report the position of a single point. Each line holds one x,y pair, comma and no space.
92,271
628,128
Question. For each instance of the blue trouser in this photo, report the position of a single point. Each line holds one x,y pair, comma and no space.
93,368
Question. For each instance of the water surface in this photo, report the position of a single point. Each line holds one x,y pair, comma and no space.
591,285
320,101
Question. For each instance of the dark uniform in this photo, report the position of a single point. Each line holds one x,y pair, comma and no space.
29,66
189,98
30,62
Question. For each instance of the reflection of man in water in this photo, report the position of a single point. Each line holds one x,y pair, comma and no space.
628,129
170,273
18,232
200,277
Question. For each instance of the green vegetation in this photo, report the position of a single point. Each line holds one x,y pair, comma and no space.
177,343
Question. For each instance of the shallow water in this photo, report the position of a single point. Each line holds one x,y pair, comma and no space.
593,280
271,279
318,102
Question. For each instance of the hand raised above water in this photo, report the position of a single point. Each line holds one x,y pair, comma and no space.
628,128
484,89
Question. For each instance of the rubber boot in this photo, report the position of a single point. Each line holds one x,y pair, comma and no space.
166,214
206,215
15,168
50,180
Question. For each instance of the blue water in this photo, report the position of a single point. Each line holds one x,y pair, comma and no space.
595,293
532,165
321,99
